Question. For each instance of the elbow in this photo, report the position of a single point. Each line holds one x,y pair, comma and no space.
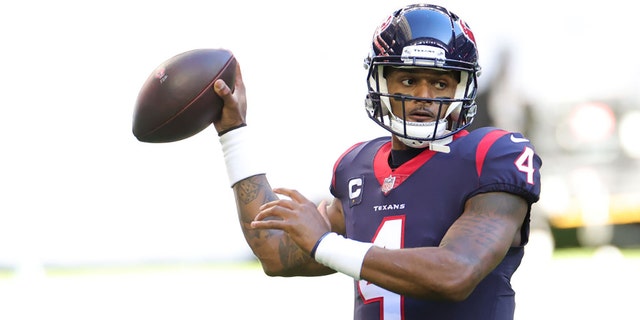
454,285
460,285
267,255
456,292
271,271
272,268
461,278
450,290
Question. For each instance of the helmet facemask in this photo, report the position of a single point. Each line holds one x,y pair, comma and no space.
423,36
454,113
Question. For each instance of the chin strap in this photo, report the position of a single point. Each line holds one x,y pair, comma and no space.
441,145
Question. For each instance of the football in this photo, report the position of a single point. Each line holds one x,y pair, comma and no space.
177,99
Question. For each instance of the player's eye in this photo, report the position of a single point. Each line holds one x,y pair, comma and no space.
408,82
440,85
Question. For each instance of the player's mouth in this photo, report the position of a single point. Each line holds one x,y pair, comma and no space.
421,115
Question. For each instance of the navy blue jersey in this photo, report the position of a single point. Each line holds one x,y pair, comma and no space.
415,204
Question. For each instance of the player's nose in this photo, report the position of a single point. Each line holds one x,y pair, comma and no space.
423,90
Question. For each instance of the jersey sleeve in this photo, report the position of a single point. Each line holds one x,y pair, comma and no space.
507,162
336,168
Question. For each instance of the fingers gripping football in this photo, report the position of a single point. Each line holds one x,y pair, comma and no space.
234,109
297,216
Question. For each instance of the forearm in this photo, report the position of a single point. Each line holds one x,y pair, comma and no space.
277,253
250,194
426,273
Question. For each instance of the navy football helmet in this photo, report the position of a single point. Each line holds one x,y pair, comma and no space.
423,36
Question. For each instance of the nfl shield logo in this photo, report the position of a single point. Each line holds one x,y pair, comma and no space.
388,184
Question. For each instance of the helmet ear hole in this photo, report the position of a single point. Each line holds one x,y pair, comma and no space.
374,105
470,113
462,116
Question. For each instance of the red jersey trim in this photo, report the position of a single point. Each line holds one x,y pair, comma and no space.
382,170
483,148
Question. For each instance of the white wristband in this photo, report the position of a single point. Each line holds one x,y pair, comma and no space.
240,156
341,254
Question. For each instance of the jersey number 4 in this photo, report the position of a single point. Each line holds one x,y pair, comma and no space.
390,235
524,163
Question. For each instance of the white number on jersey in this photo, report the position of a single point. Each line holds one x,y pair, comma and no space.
390,235
524,163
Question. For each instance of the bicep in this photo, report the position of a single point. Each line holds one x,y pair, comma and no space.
487,228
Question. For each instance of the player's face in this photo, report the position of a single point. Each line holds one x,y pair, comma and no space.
420,83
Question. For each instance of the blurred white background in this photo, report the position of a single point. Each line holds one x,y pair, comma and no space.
77,189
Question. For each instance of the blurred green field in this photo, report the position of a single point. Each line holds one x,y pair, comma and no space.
570,284
588,253
576,254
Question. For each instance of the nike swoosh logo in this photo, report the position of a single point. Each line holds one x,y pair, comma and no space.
518,140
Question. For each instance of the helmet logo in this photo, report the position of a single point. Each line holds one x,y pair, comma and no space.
384,25
467,31
380,44
423,55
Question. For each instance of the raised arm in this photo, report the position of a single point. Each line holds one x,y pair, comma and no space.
278,255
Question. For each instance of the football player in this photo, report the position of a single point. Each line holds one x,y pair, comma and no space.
430,221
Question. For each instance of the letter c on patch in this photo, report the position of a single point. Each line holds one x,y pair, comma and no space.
355,191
